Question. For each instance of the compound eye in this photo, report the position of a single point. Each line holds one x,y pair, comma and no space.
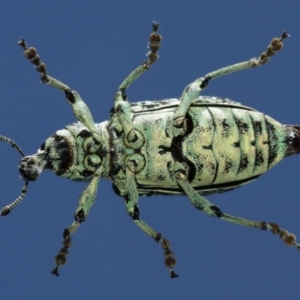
92,162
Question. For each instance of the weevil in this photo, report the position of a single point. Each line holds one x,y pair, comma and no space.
193,145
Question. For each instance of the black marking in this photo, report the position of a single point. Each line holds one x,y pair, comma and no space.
187,89
242,129
127,199
228,165
255,137
80,216
167,130
124,95
217,211
136,213
189,125
169,166
257,127
207,128
244,162
158,237
176,149
209,147
164,102
203,190
200,168
43,146
161,178
242,126
114,169
226,128
135,137
273,141
176,152
205,82
119,109
259,159
70,96
64,159
87,173
102,152
116,190
293,139
84,133
112,130
112,112
163,149
148,106
216,167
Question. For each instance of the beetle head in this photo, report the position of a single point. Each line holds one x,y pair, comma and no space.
54,154
31,166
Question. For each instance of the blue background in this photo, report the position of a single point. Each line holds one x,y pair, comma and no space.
92,46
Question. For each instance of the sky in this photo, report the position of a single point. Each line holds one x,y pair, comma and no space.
92,46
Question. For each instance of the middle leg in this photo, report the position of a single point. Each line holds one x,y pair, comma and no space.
134,139
131,199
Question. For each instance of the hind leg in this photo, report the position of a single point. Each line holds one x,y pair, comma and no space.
192,91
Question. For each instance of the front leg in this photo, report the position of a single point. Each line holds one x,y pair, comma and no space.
192,91
132,138
131,199
80,109
86,202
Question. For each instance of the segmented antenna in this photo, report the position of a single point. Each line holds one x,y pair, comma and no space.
8,208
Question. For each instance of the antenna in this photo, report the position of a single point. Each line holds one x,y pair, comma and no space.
8,208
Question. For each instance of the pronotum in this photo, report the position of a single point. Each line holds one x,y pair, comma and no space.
193,145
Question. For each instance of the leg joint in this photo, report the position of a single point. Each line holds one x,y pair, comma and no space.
217,211
204,82
134,212
80,216
70,96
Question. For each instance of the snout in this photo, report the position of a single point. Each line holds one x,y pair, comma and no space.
31,166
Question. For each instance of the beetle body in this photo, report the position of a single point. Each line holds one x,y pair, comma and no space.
227,145
193,145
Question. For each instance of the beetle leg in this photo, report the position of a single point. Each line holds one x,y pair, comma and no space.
132,138
192,91
80,109
122,106
181,175
209,208
131,199
86,201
